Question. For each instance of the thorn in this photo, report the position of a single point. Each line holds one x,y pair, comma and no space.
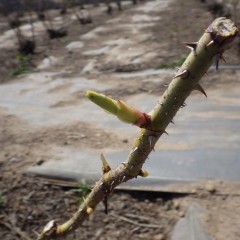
164,131
105,166
124,164
165,85
199,88
150,140
112,186
217,57
192,46
210,44
134,150
172,122
183,105
182,74
105,202
123,179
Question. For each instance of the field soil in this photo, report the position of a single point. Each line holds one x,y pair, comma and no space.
28,203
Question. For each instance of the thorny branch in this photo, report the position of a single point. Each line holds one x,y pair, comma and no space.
215,40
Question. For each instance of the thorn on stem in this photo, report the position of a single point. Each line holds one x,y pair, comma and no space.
105,202
124,164
199,88
192,46
217,59
183,105
151,139
210,44
134,150
164,131
105,166
112,186
123,179
183,74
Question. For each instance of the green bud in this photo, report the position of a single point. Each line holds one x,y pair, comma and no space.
143,173
103,101
124,112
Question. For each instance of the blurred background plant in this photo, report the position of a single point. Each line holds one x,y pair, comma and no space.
82,190
24,63
1,199
177,63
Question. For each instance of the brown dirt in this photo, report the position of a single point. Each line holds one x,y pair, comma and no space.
28,203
